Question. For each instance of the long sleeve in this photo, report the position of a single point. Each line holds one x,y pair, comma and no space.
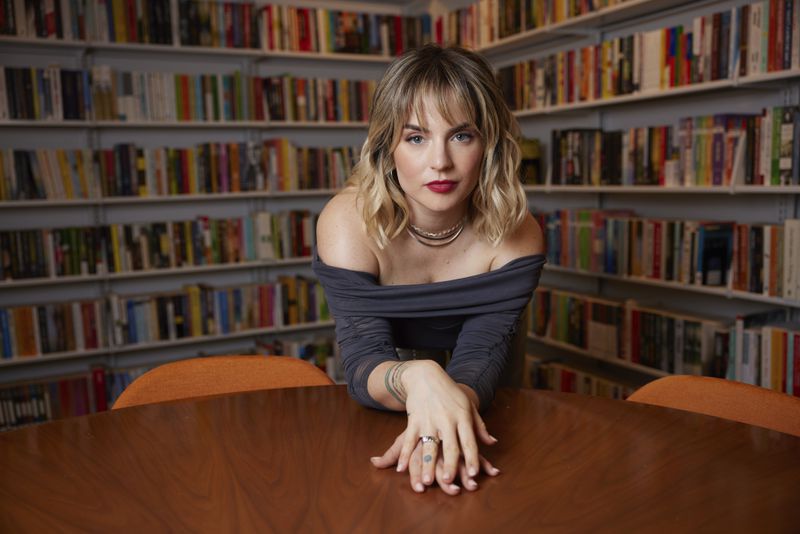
482,350
364,342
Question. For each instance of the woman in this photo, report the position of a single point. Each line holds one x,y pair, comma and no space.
431,248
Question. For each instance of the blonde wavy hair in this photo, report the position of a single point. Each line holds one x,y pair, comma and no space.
455,80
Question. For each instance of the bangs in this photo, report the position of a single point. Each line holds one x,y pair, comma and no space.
451,103
450,96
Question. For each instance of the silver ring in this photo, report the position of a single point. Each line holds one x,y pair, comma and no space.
428,439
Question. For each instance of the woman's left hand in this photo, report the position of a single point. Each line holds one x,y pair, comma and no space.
391,456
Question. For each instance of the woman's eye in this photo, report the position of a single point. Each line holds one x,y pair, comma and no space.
462,137
415,139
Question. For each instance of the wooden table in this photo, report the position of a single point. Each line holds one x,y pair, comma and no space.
297,460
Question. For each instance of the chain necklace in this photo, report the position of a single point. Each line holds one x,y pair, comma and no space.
436,239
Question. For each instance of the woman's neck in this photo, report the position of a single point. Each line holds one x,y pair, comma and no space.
434,222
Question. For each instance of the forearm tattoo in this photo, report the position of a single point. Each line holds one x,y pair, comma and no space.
394,384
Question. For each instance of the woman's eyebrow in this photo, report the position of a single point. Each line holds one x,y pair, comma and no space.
453,130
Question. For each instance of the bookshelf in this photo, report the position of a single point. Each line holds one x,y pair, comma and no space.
95,134
743,202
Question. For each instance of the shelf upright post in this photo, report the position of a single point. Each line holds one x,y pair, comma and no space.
253,140
790,207
600,199
99,213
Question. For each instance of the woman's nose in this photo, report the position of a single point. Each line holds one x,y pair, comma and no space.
440,156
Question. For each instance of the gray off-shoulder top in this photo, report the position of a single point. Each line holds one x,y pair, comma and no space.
475,317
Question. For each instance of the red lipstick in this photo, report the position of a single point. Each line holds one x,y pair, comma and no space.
441,186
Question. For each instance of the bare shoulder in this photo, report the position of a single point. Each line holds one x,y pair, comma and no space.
526,240
341,238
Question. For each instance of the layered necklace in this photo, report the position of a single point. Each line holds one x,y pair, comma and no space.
436,239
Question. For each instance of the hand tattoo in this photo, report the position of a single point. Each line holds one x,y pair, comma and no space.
427,458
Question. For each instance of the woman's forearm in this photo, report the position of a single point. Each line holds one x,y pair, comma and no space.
391,382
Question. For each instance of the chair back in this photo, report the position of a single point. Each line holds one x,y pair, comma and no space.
218,375
726,399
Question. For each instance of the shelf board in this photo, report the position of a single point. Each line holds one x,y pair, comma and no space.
317,124
664,190
715,85
189,50
583,352
277,330
166,199
187,125
151,273
9,40
579,26
41,203
72,355
51,357
327,56
199,197
716,291
173,49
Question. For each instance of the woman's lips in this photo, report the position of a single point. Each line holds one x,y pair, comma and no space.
443,186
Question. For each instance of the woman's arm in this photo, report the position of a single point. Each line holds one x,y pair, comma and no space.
366,343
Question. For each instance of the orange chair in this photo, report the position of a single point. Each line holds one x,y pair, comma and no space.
218,375
726,399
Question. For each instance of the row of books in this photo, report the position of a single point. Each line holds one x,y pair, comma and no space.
309,29
709,148
126,21
280,27
724,45
60,398
81,20
102,93
556,376
765,257
129,170
201,310
591,156
248,25
121,248
196,310
217,24
766,350
486,21
756,258
717,150
62,19
675,343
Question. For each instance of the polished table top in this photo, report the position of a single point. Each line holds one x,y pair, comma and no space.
298,460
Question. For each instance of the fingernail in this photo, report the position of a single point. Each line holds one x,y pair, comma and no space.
493,438
426,479
419,487
446,476
375,459
472,484
473,471
495,471
399,467
453,487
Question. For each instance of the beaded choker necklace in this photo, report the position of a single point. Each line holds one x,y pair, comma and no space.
436,239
